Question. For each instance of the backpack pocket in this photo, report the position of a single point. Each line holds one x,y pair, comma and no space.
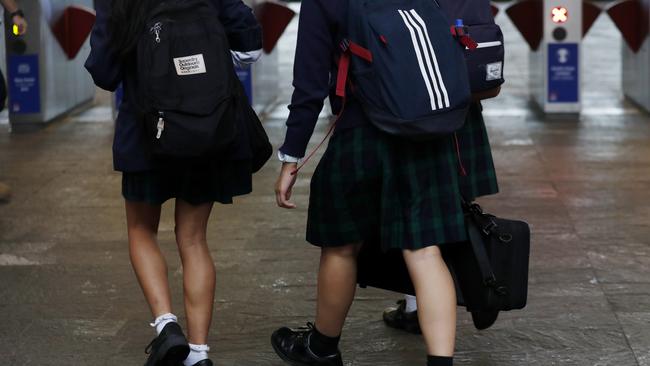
187,82
485,63
179,134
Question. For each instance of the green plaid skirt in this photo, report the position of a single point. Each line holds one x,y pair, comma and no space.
196,181
408,194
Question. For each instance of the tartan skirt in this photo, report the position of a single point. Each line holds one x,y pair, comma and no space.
408,194
196,181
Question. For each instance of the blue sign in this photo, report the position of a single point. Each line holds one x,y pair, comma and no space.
245,74
563,73
23,80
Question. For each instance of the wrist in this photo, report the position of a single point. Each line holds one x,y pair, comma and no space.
289,167
284,158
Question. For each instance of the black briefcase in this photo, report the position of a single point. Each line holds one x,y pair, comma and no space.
490,270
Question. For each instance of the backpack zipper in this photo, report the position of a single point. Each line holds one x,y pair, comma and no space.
156,29
161,125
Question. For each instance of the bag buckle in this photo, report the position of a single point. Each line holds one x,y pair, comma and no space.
491,282
475,208
487,230
345,45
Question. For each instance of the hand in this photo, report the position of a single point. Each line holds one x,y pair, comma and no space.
21,23
284,185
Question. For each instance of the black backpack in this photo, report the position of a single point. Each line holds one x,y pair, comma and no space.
482,38
187,86
406,67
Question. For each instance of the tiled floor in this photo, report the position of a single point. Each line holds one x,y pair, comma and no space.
68,295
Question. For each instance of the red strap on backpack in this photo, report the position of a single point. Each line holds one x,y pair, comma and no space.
348,49
342,77
461,33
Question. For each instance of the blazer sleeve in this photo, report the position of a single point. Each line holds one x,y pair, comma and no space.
243,30
311,73
102,63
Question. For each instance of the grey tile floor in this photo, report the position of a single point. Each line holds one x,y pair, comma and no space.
68,295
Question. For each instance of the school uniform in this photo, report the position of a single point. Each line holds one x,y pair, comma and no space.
147,178
369,183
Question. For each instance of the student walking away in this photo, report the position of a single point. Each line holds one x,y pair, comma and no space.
18,19
485,69
480,180
177,136
395,167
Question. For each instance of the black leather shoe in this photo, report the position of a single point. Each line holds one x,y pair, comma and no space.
293,348
397,317
203,363
170,348
484,319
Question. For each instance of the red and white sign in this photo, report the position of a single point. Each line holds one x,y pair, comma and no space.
560,14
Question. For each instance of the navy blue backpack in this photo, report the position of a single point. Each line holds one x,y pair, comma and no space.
484,50
406,68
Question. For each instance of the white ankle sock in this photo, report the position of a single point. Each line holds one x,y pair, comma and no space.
198,352
411,303
163,320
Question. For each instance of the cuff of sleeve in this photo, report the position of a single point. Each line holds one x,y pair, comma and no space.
243,59
287,158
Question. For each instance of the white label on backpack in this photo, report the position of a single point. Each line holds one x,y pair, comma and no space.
494,71
190,65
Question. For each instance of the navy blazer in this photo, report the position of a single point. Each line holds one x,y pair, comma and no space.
321,29
130,151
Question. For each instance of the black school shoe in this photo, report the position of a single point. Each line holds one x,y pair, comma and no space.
397,317
170,348
293,348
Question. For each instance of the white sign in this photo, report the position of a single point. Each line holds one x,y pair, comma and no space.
190,65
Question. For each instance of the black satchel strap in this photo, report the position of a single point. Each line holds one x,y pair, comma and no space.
478,246
477,225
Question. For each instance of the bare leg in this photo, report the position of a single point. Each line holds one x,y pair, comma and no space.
148,261
337,283
436,298
198,268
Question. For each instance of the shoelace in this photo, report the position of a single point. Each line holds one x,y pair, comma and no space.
306,329
304,333
309,326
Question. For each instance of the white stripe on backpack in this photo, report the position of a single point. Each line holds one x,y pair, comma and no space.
427,56
433,54
419,56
